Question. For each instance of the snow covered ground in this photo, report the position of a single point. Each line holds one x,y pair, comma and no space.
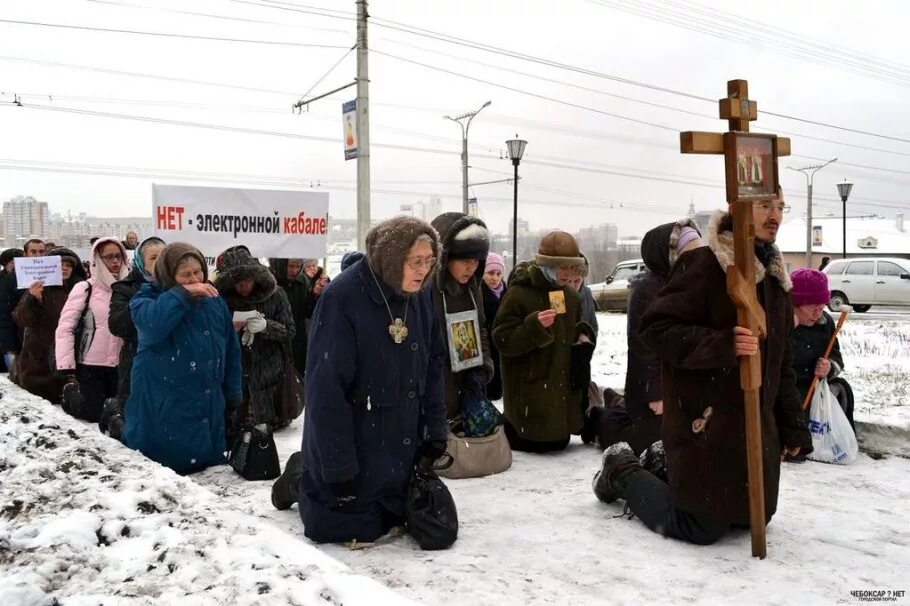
532,535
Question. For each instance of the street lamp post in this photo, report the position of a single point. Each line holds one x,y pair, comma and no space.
516,149
844,190
464,121
810,171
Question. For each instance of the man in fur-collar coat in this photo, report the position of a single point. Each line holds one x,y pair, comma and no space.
693,328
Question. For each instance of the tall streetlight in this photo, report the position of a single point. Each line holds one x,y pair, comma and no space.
516,149
810,171
844,190
464,121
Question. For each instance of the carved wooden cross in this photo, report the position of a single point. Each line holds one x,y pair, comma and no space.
751,175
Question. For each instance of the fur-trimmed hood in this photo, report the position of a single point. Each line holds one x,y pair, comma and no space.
721,244
469,235
237,264
388,244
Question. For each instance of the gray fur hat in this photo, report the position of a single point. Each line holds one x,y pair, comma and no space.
388,244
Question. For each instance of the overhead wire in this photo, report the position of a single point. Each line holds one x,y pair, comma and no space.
109,30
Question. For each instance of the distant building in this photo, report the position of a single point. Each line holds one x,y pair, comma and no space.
76,231
24,218
866,237
601,236
425,211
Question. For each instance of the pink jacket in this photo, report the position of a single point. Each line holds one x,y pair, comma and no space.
105,347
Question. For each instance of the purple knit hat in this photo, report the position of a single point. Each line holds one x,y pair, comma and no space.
495,261
810,287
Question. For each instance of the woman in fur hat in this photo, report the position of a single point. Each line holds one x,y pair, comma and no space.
456,289
537,324
38,313
374,390
186,376
249,286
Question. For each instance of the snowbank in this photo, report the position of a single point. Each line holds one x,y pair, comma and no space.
86,519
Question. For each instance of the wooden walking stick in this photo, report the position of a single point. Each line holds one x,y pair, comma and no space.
840,324
751,175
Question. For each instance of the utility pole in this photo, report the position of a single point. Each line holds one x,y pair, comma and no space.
809,172
363,127
464,120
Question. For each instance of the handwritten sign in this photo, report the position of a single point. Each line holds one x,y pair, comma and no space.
38,269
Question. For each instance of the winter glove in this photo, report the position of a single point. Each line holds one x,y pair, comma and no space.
429,452
246,338
343,493
256,324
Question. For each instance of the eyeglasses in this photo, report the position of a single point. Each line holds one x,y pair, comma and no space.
421,263
768,208
111,258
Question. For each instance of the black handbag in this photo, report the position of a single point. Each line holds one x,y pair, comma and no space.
431,516
254,455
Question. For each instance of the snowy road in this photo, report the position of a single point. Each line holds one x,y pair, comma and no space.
533,535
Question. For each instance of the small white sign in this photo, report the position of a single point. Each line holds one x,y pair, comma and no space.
38,269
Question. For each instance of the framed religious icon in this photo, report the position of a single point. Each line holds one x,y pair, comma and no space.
464,340
751,162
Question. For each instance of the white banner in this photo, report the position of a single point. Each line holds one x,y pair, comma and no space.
271,223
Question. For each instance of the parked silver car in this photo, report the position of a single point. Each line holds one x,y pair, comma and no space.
863,283
613,294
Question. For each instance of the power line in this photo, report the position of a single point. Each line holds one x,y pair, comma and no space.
524,92
591,168
214,16
326,75
116,72
168,34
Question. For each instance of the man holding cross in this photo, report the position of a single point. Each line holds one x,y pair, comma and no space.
693,328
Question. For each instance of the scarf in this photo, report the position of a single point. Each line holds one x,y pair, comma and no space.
498,290
139,261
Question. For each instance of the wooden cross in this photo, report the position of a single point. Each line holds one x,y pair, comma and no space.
751,175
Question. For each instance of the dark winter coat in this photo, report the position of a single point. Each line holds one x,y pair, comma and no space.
491,305
371,402
187,367
453,297
302,306
690,326
120,323
536,362
809,344
10,333
643,380
264,360
589,309
39,321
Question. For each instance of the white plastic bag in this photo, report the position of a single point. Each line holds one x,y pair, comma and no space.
833,440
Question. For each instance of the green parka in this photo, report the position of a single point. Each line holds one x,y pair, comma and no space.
539,402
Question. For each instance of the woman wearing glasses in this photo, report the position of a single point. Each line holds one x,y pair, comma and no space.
86,351
374,390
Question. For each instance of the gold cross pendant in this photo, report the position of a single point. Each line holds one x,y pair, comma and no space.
398,331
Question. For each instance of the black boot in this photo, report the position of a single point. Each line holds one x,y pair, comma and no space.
287,486
618,463
654,459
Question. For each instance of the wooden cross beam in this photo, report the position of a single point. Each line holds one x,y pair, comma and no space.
751,175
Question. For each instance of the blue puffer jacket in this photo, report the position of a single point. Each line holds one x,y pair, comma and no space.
370,402
186,368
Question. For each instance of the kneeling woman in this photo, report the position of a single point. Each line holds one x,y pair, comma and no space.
187,371
375,388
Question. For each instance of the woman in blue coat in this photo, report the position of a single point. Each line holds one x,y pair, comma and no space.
375,390
186,376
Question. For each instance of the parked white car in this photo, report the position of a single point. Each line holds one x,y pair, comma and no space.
613,294
863,283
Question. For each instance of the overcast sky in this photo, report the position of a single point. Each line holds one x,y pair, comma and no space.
834,62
